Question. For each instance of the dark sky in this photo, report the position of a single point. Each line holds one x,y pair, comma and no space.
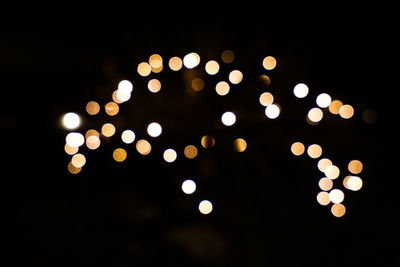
133,213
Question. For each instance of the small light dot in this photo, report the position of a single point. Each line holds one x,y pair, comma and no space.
335,106
205,207
239,145
315,115
323,198
191,60
71,121
266,99
119,154
175,63
235,76
112,108
222,88
323,100
228,118
269,63
325,184
154,129
128,136
346,111
338,210
78,160
188,187
212,67
272,111
154,85
144,69
300,90
314,151
297,148
336,196
190,151
355,166
332,172
143,147
207,141
108,129
155,61
170,155
227,56
92,108
92,142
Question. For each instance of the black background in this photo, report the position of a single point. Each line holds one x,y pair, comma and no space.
133,213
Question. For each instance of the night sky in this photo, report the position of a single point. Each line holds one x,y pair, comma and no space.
134,213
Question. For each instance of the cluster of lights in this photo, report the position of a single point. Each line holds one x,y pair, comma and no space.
155,64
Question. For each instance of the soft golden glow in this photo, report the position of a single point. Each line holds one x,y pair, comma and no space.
72,169
266,99
112,108
227,56
239,145
191,60
297,148
92,108
108,129
332,172
222,88
143,147
212,67
335,106
336,196
70,150
190,151
71,121
355,166
315,115
154,85
323,100
228,118
325,184
323,198
338,210
170,155
175,63
300,90
353,183
314,151
272,111
115,97
154,129
144,69
235,76
78,160
128,136
197,84
155,61
188,186
119,154
205,207
346,111
323,163
269,63
91,132
124,91
93,142
207,141
75,139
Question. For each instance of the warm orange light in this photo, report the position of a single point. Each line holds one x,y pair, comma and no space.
197,84
235,76
335,106
144,69
119,154
325,184
108,129
212,67
175,63
239,145
143,147
190,151
346,111
355,166
227,56
78,160
92,108
222,88
297,148
314,151
338,210
269,63
154,85
112,108
266,99
207,141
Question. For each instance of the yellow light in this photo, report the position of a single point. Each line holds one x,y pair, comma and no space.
336,196
235,76
188,186
212,67
269,63
119,154
315,115
191,60
175,63
205,207
108,129
239,145
197,84
207,141
92,108
266,99
70,150
128,136
155,61
355,166
154,129
323,198
323,163
272,111
323,100
314,151
338,210
78,160
190,151
332,172
227,56
228,118
325,184
346,111
74,139
170,155
72,169
297,148
353,183
335,106
222,88
154,85
112,108
143,147
300,90
71,121
144,69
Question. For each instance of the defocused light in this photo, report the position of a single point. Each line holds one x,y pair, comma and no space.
75,139
191,60
212,67
355,166
91,132
155,61
128,136
336,196
188,186
323,163
239,145
205,207
335,106
92,108
325,184
227,56
169,155
119,154
144,69
143,147
332,172
92,142
323,198
116,99
108,129
228,118
369,116
190,151
112,108
125,86
235,76
300,90
346,111
269,63
154,129
72,169
323,100
70,150
154,85
197,84
207,141
338,210
297,148
314,151
71,120
266,99
78,160
222,88
315,115
353,183
175,63
265,80
272,111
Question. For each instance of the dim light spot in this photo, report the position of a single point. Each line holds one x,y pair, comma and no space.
205,207
353,183
314,151
75,139
71,121
332,172
119,154
143,147
92,142
323,163
235,76
335,106
228,118
144,69
154,85
197,84
170,155
72,169
239,145
323,100
207,141
128,136
300,90
175,63
188,186
297,148
108,129
336,196
266,99
338,210
92,108
190,151
272,111
112,108
369,116
265,80
346,111
325,184
191,60
78,160
154,129
315,115
355,166
323,198
222,88
212,67
227,56
269,63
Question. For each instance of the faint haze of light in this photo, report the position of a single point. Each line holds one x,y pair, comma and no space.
71,121
300,90
197,84
228,56
154,129
188,186
228,118
205,207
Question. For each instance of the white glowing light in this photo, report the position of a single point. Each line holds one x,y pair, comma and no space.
154,129
228,118
128,136
75,139
205,207
272,111
188,187
300,90
71,120
323,100
336,196
191,60
170,155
